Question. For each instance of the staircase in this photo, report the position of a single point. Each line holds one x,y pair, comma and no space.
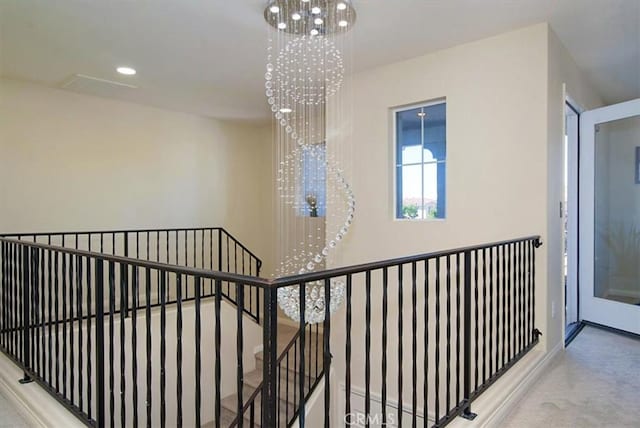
289,381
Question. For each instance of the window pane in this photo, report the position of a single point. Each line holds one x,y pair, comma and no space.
412,191
434,190
411,154
314,180
435,131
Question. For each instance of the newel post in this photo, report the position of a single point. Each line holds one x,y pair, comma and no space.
270,350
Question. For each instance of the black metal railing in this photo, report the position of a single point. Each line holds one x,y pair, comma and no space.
417,341
211,248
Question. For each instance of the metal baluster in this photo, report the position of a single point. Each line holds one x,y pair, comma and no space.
327,351
534,332
414,344
240,351
400,342
64,322
348,349
135,297
295,380
504,305
491,298
3,308
72,352
112,304
458,328
484,315
516,300
211,259
56,287
198,333
99,345
476,261
425,407
235,257
466,412
301,403
163,346
147,316
179,344
25,323
89,315
19,267
385,308
41,311
448,345
367,347
286,390
522,294
80,312
437,356
218,376
35,312
123,314
529,282
510,314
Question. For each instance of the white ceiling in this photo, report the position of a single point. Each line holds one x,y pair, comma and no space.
207,56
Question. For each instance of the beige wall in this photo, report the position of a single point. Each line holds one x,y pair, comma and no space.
495,91
74,162
504,129
564,78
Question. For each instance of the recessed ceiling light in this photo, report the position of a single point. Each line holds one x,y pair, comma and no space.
285,110
342,6
314,32
282,25
318,21
315,10
296,16
127,71
343,23
274,9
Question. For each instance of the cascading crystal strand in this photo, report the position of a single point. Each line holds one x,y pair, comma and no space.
305,79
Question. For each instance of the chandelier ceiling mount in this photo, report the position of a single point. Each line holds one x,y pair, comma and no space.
310,17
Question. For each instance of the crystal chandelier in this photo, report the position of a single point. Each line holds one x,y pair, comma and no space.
306,75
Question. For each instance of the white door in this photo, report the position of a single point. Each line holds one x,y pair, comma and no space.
609,222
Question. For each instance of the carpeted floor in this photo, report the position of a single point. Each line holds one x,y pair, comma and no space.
596,383
9,416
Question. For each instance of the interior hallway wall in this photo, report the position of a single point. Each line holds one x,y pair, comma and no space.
74,162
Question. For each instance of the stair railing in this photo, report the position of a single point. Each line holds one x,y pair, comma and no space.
212,248
419,338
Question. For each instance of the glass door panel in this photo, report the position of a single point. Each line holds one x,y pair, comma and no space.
617,211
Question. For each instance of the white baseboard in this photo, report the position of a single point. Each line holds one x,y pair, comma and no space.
33,403
509,390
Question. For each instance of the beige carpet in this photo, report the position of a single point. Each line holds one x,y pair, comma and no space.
596,383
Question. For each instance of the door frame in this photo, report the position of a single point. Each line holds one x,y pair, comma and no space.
594,309
573,191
